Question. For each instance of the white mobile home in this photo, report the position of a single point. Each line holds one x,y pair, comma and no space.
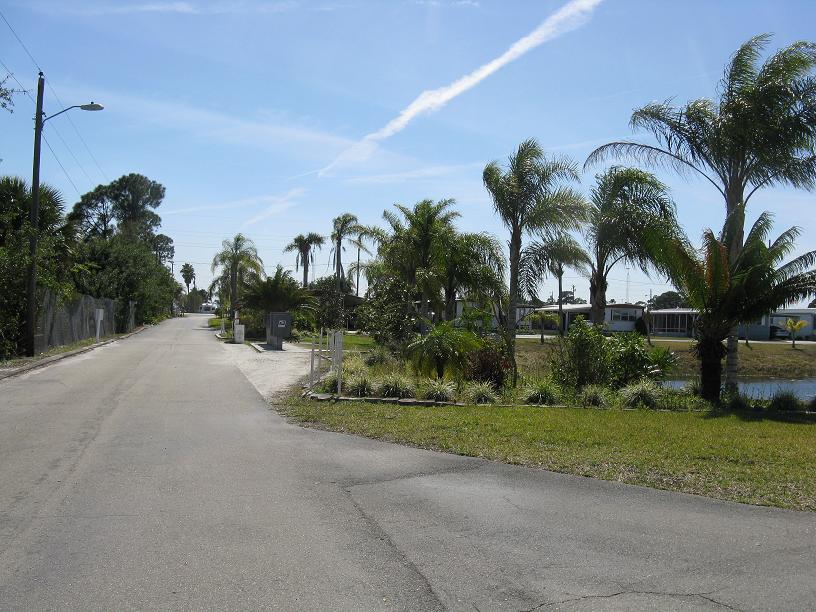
617,317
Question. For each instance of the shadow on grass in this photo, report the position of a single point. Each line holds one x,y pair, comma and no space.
764,415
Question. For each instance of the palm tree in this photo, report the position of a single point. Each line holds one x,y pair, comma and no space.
529,196
278,293
761,132
552,256
187,274
443,347
342,227
629,209
359,241
473,265
727,292
237,259
794,327
415,249
305,246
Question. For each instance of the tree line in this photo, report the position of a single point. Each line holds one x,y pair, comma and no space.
106,246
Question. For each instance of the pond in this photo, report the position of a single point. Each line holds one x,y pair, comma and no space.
804,388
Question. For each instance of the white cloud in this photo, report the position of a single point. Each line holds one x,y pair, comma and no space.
269,200
417,174
277,204
274,134
567,18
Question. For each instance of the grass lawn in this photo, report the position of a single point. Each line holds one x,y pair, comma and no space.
354,342
761,462
763,360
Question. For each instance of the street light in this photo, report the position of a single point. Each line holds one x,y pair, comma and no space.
31,293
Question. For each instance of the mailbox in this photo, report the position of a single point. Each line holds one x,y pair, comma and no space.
278,325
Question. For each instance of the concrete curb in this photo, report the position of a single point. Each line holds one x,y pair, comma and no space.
41,363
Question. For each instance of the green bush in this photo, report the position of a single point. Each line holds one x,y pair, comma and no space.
329,383
812,404
642,394
595,395
438,390
663,362
581,357
488,364
737,402
379,355
480,393
444,348
395,385
678,401
359,385
353,363
784,401
544,392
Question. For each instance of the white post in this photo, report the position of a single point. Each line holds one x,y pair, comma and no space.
338,360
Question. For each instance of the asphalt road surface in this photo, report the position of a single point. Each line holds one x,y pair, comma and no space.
149,474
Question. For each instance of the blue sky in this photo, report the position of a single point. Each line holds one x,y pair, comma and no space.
254,115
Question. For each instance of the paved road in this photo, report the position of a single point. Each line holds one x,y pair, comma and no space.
148,474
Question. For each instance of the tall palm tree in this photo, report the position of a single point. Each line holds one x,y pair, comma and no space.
725,292
552,256
761,132
629,210
237,258
305,247
528,196
342,227
187,274
359,242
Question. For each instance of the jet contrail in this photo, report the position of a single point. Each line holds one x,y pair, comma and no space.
567,18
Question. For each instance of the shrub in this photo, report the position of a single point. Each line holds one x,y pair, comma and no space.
480,393
581,357
353,364
543,392
488,364
663,361
678,400
784,401
395,385
595,395
359,385
642,394
444,347
629,359
737,402
439,390
377,356
811,405
329,383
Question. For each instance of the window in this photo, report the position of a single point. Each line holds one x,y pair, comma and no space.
623,315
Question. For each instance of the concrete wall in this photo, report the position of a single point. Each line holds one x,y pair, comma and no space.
61,323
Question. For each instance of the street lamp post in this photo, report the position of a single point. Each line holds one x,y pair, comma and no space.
31,289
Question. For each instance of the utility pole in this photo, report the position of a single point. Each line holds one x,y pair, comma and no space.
31,289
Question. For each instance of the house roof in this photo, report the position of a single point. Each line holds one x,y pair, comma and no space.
674,311
586,307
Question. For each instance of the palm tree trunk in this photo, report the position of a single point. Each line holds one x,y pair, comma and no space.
597,290
560,306
357,284
733,200
710,377
233,289
337,269
510,323
304,257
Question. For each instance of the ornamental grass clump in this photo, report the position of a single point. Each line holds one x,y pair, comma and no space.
439,390
329,383
543,393
480,393
784,401
595,396
379,355
359,385
642,394
396,385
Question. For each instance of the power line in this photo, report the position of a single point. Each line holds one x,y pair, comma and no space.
48,144
56,131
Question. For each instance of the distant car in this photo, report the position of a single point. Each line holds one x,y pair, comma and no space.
207,308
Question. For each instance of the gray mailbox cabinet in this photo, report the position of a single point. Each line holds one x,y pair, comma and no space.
278,327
